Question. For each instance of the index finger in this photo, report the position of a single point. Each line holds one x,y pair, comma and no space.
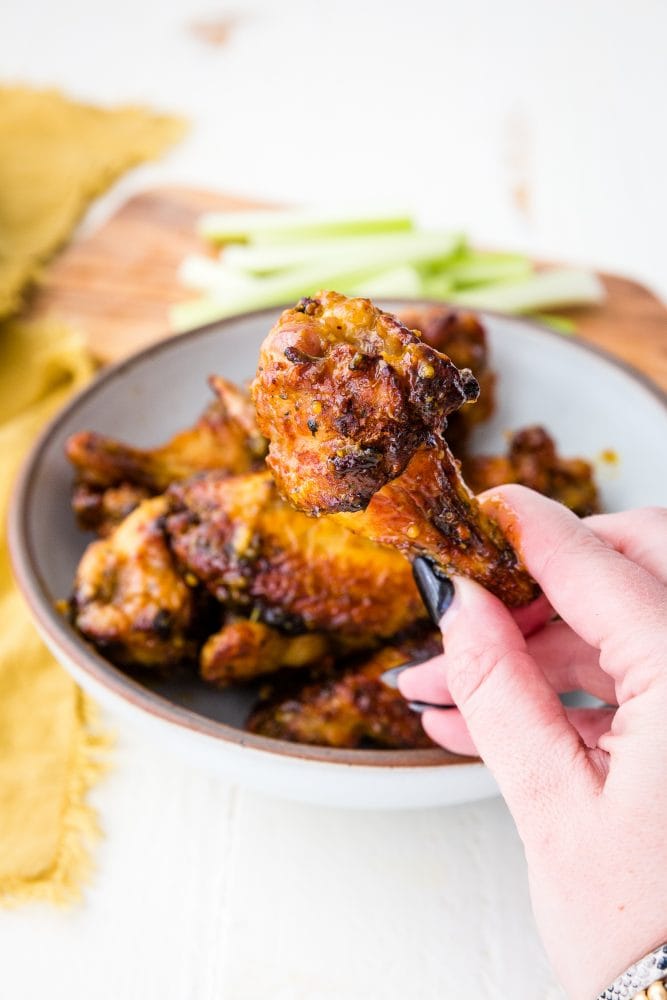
611,602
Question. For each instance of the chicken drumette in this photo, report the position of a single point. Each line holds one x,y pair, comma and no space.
349,707
354,406
346,394
113,477
532,460
257,555
244,649
129,598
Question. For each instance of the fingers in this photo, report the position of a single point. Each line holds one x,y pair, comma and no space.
447,727
533,616
567,662
514,717
611,602
640,535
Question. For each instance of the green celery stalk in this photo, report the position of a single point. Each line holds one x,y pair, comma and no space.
287,286
437,285
206,275
561,323
540,292
231,227
486,269
358,253
396,282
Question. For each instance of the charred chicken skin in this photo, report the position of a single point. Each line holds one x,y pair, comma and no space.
376,419
349,708
532,460
462,337
113,477
256,554
346,394
429,511
130,600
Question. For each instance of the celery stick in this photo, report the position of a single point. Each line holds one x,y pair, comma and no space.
486,269
228,227
289,285
196,312
206,275
359,253
437,285
541,291
397,282
561,323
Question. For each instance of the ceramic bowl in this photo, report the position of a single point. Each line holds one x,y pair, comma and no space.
590,402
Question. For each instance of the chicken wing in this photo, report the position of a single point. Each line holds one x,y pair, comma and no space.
111,475
102,510
532,460
243,650
382,400
462,337
129,600
346,394
348,708
256,554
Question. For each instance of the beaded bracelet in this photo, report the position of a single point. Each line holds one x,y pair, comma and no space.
656,991
645,980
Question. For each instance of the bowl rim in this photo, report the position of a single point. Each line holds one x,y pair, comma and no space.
124,685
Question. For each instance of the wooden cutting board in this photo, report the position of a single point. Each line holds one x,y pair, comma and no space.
117,284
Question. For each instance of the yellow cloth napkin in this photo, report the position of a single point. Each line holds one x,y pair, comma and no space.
54,157
48,750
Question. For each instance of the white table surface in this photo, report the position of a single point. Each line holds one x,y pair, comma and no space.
204,890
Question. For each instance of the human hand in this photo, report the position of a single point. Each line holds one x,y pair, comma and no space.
585,786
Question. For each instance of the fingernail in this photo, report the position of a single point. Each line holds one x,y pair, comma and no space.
436,589
421,706
390,677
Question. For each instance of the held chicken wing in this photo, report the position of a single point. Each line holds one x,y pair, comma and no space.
346,394
429,511
129,600
112,476
256,554
349,708
533,460
380,398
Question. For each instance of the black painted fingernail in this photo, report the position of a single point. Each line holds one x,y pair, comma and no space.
390,677
421,706
436,589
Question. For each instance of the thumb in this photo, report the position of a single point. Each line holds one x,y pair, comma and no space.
514,716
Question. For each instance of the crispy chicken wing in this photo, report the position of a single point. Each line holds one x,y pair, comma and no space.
101,510
129,599
462,337
429,511
243,650
254,552
346,394
532,460
375,418
112,477
348,708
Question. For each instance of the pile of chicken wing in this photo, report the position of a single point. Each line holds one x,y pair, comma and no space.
272,541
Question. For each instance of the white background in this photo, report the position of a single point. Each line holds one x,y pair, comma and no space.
530,123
